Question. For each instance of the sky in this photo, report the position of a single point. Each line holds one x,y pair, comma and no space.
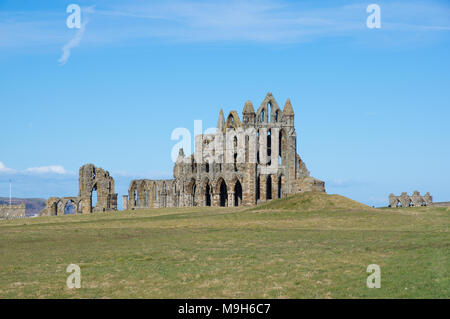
372,105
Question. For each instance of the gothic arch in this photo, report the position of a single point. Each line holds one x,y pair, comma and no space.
263,112
233,120
206,192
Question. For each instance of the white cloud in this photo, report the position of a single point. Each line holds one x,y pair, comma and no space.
55,169
4,169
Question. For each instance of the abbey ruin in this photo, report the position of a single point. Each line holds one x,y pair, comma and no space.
404,200
243,163
91,179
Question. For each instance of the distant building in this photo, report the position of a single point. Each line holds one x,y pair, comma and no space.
13,211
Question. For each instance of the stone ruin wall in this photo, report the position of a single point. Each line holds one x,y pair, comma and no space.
239,174
90,179
13,211
404,200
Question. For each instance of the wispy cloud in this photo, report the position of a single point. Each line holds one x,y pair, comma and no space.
55,169
50,169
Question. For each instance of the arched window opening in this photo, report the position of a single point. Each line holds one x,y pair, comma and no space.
235,162
269,146
280,185
207,167
280,147
238,194
269,187
262,116
223,194
94,198
207,195
70,208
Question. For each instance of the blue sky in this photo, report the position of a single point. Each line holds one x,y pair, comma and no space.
372,106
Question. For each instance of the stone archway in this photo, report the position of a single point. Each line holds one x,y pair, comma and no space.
207,192
223,193
70,207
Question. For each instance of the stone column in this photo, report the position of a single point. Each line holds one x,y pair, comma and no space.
262,187
215,200
125,202
274,186
230,199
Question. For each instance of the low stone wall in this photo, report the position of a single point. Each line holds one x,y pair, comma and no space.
13,211
441,204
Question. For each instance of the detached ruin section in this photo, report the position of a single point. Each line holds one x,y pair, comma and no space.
404,200
91,179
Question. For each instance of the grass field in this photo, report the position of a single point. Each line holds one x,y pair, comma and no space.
305,246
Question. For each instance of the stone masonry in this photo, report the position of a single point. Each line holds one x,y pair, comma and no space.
243,163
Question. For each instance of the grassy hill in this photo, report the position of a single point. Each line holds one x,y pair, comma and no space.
304,246
313,201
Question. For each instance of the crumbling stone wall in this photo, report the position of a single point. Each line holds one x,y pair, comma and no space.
90,179
404,200
256,161
13,211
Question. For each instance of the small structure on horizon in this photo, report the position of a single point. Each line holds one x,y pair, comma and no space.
404,200
12,211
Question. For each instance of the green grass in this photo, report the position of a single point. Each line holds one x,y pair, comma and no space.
305,246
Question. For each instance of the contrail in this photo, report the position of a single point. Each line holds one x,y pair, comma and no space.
74,42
